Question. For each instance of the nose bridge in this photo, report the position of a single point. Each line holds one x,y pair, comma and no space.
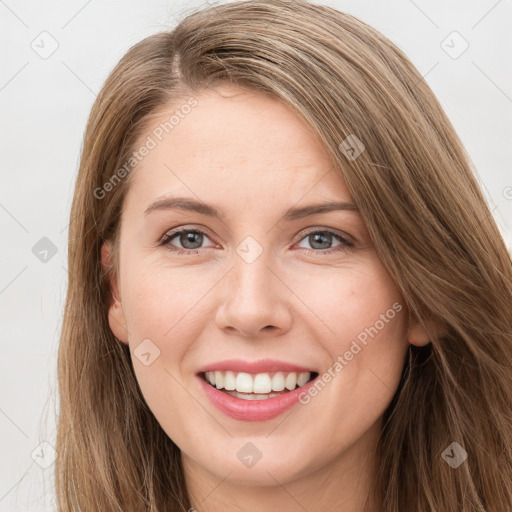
255,297
252,271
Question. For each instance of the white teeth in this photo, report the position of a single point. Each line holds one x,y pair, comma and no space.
302,378
259,384
278,381
244,383
262,383
219,380
245,396
229,381
291,381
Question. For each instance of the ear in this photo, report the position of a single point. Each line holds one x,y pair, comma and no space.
418,334
116,318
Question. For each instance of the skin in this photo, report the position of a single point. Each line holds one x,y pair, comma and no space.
253,158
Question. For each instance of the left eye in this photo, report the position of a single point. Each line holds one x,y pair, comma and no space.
192,239
324,238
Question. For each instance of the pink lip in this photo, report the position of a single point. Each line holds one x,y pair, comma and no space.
262,366
253,410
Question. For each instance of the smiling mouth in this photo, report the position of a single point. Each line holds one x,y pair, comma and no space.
261,386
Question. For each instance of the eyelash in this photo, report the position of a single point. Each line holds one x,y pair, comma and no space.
344,245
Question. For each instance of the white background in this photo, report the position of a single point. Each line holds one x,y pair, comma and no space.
44,105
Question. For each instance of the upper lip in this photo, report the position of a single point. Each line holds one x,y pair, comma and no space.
261,366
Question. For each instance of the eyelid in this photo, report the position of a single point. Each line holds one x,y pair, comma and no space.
344,238
322,229
196,227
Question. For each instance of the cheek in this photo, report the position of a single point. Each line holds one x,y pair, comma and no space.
165,311
165,304
358,302
164,319
363,329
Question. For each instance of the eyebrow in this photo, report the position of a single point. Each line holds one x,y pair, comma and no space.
188,204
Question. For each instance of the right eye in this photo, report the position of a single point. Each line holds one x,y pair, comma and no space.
186,237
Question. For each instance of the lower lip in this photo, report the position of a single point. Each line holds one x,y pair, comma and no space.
253,410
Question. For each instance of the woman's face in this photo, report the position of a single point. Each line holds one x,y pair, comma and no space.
254,285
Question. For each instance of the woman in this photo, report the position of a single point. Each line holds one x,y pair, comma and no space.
249,371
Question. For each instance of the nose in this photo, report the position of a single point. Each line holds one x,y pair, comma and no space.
254,300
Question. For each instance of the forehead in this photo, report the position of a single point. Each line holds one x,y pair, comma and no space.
234,145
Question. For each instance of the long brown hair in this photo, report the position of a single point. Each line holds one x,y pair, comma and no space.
415,188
